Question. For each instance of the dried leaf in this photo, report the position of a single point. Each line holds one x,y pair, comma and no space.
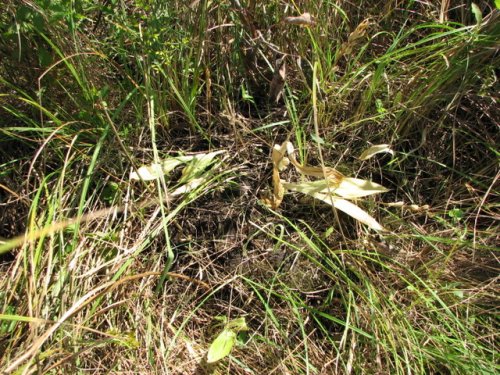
304,19
311,187
191,185
278,191
155,170
359,32
222,345
350,209
354,37
321,172
280,162
376,149
147,172
352,188
198,163
349,188
332,183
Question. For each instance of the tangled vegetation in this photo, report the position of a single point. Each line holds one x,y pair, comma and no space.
148,222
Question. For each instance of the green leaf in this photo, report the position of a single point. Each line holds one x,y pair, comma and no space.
44,57
317,139
238,324
39,22
478,15
497,4
23,13
222,346
380,106
456,214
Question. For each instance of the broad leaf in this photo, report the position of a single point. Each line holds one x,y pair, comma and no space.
317,191
350,209
222,345
155,170
147,172
238,324
330,189
189,186
349,188
352,188
311,187
376,149
198,163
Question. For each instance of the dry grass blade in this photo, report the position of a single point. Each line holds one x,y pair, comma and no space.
78,305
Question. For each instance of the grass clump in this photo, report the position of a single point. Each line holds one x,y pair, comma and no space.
137,149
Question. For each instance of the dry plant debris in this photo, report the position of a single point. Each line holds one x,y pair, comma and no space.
334,188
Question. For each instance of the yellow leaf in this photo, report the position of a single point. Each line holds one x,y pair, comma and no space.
354,38
321,172
280,162
359,32
376,149
349,188
350,209
155,170
310,187
222,346
317,189
352,188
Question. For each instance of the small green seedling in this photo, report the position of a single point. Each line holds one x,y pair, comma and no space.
224,342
